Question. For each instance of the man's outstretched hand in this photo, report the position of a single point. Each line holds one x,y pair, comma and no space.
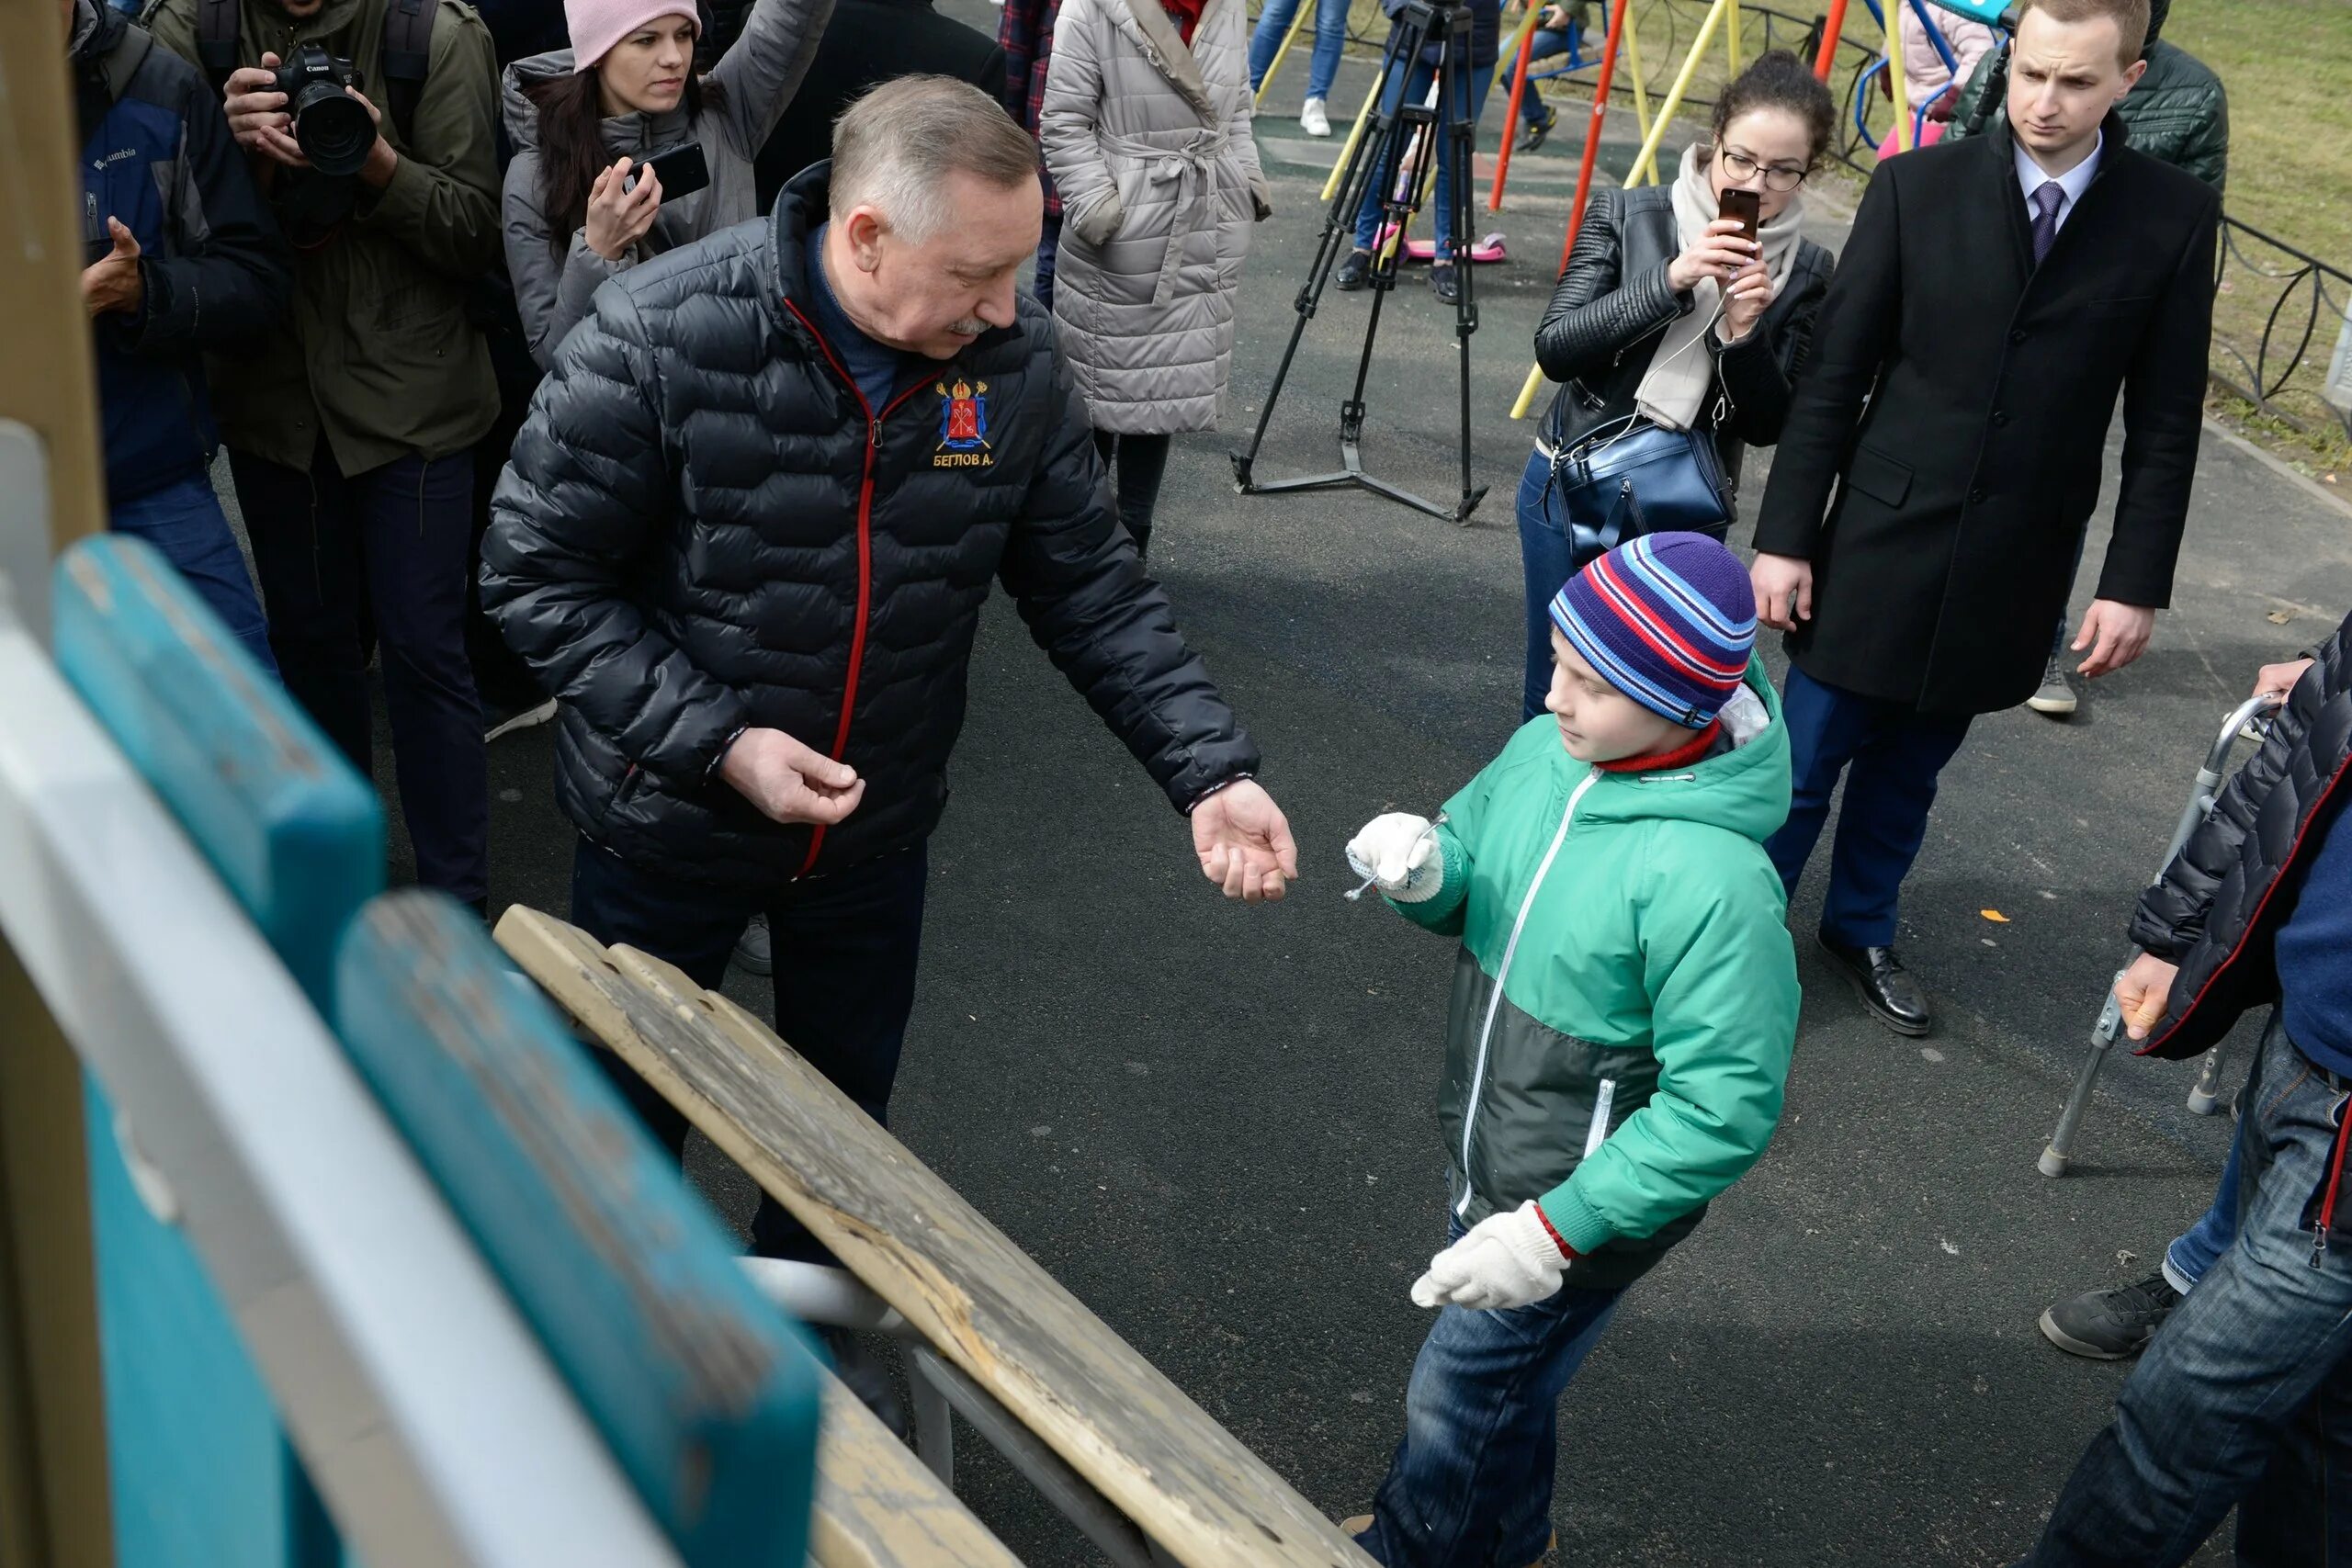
2115,634
1244,843
788,780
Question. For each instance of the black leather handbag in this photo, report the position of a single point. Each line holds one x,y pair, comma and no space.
1632,477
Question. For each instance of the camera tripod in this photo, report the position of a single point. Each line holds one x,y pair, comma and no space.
1397,149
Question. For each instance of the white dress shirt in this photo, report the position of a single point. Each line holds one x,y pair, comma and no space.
2072,184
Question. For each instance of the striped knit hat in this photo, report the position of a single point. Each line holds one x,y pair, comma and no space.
1668,619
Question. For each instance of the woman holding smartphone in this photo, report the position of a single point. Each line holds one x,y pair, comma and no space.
1687,307
580,204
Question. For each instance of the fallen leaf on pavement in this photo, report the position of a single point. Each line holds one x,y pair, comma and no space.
1994,916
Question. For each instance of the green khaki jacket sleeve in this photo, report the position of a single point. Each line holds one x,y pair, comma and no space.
442,202
1721,980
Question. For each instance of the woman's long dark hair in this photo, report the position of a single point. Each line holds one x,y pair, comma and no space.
1779,80
572,147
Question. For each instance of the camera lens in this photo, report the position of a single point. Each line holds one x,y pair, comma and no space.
334,128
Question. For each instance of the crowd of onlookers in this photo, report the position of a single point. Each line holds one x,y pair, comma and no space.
522,409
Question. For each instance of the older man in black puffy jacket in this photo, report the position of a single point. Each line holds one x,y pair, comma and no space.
745,538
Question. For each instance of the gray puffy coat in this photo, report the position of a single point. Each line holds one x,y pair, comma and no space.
1148,142
744,97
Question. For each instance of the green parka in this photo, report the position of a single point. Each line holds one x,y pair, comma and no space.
1626,1001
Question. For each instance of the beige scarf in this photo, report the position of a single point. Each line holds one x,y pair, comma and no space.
1681,371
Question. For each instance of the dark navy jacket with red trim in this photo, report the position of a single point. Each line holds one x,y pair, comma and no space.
702,527
2217,910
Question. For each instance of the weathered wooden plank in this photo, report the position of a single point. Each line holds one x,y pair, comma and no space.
878,1507
984,1303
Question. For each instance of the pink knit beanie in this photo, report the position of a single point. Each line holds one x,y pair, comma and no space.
598,24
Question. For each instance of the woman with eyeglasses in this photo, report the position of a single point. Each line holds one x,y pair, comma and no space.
1667,315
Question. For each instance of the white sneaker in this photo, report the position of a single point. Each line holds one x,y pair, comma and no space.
1311,120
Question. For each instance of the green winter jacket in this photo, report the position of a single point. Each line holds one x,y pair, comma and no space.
1648,989
2178,114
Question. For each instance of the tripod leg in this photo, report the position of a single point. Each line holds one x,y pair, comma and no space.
1375,156
1460,118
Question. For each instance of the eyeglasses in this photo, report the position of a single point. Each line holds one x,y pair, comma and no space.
1778,177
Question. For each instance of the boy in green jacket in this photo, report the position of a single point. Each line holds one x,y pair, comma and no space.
1624,1010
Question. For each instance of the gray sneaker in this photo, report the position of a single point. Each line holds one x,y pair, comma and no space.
2110,1325
752,955
2055,698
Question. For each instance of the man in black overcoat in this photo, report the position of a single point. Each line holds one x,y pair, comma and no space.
1942,454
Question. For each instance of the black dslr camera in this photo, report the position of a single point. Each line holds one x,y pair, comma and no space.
334,130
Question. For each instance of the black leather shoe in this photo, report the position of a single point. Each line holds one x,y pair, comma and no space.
1885,987
1355,272
1446,283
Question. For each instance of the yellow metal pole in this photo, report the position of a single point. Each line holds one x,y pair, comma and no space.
1348,148
1508,60
1640,97
1890,22
1731,36
1648,154
1274,66
1527,393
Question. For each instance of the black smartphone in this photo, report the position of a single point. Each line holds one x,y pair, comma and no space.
680,170
1743,205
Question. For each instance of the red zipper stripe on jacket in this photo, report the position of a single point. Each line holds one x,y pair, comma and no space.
2334,1180
2253,919
865,554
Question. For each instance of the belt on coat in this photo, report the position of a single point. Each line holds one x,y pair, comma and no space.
1191,167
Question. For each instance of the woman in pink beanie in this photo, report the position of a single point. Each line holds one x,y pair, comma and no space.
582,118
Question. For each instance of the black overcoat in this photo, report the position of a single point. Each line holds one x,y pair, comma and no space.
1957,403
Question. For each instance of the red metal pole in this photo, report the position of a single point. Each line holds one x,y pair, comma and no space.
1831,31
1592,130
1510,116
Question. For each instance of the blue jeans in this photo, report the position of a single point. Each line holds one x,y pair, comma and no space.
1890,754
1471,1484
844,947
1546,561
2245,1399
1532,108
1415,84
388,550
2194,1250
184,520
1331,37
1049,247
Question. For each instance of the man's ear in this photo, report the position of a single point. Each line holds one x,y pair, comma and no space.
2138,69
862,229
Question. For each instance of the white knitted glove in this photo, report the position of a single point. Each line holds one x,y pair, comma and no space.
1399,852
1506,1260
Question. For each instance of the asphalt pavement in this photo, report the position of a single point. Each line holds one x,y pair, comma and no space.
1217,1125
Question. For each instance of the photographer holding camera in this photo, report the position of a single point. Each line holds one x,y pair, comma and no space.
369,125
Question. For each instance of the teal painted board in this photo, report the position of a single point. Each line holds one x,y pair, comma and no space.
201,1476
292,830
1990,12
706,1394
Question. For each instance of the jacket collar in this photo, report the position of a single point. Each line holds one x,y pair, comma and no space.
1997,166
1169,54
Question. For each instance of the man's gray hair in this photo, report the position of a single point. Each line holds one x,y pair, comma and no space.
894,148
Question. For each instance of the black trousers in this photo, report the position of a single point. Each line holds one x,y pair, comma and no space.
845,947
1139,463
338,553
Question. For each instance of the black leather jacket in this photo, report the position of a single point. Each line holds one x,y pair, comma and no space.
2216,910
1614,302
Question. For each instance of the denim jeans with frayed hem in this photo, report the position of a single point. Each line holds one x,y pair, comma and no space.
1471,1484
2245,1399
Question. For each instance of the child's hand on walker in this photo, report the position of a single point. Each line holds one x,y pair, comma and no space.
1509,1259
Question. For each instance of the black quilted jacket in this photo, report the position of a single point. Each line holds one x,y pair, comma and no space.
702,527
2217,910
1613,303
